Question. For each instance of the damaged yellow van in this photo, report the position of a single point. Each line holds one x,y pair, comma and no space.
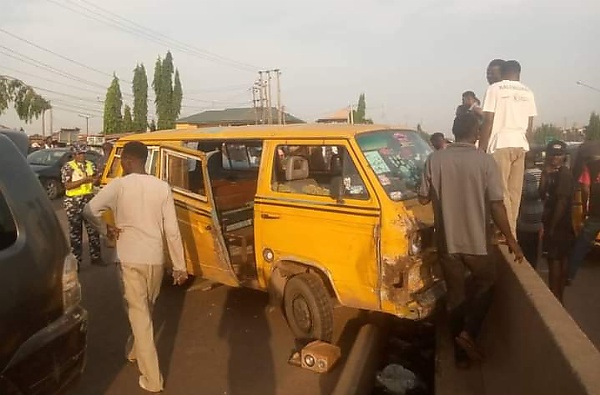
316,215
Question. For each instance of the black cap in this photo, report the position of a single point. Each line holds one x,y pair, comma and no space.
556,148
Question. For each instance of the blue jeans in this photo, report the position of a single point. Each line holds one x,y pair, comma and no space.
585,241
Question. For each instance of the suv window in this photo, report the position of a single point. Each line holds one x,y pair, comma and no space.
317,170
8,228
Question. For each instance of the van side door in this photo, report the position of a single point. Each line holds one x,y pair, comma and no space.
205,252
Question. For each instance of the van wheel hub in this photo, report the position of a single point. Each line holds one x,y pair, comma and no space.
302,313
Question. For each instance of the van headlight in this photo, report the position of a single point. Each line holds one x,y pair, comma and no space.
415,243
70,283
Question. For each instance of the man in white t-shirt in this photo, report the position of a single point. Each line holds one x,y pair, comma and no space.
144,214
508,108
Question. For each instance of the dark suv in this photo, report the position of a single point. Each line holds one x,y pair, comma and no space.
47,163
43,328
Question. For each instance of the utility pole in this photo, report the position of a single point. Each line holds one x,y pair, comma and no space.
351,114
51,125
254,104
279,110
269,95
87,124
261,95
44,123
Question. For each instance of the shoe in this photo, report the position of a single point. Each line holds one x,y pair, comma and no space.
143,386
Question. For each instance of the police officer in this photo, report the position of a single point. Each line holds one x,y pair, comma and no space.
78,178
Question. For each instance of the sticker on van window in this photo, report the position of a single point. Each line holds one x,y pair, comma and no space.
384,180
377,163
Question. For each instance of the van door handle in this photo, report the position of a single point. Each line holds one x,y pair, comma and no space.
208,227
269,216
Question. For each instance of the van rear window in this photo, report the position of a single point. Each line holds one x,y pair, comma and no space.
8,228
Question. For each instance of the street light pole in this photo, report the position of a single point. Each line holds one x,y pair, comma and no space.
87,124
588,86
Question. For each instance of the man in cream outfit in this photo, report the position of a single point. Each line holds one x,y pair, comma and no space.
144,213
508,108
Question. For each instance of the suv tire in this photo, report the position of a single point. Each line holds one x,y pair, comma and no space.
308,308
52,188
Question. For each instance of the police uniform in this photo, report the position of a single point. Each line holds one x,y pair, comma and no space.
74,202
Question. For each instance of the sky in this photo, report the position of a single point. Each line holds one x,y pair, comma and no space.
412,59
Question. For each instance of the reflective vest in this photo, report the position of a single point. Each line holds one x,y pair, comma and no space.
84,189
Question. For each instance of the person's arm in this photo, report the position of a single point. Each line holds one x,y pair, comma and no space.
173,238
585,199
489,108
103,201
67,176
585,182
425,188
500,218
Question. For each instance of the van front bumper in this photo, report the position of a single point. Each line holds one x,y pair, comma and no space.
426,301
50,359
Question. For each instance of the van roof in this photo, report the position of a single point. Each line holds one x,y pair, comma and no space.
261,132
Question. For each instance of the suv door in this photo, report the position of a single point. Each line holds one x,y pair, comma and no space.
205,253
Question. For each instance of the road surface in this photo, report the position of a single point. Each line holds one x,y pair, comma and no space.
220,341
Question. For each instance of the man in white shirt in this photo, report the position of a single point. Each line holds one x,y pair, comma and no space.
508,108
144,213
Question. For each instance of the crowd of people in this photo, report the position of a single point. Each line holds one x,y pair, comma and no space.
493,174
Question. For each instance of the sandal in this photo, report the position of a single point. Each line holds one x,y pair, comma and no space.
465,342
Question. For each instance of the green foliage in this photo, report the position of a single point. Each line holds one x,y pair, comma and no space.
140,99
168,96
177,97
27,103
592,131
113,121
359,115
547,132
127,120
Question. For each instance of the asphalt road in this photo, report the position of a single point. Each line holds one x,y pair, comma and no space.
216,342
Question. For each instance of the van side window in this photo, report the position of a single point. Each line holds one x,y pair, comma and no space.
115,166
317,170
241,156
152,160
185,174
8,228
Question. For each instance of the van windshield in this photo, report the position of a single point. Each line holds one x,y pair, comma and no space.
397,157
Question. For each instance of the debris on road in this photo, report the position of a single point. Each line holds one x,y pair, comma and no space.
397,380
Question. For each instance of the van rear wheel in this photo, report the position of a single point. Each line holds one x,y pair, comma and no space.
308,308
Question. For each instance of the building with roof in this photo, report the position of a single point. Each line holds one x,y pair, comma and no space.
232,117
340,116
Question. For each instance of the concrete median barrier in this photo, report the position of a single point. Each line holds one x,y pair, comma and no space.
532,344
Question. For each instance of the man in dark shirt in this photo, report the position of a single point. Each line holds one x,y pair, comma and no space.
590,198
556,189
463,185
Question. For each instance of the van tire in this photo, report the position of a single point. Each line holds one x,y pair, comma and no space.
308,308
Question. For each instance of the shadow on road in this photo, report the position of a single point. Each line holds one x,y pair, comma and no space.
245,327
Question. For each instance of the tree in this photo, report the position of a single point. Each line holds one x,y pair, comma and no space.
127,121
546,132
140,99
359,115
26,102
168,97
112,108
177,97
592,131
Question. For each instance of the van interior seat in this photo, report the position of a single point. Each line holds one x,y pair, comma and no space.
297,173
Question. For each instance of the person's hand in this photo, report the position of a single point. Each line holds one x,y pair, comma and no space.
112,232
516,250
179,277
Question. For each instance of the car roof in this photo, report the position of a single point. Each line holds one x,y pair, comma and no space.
296,131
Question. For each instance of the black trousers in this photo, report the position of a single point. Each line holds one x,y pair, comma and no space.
468,301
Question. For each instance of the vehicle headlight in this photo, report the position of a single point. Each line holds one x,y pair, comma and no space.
415,243
70,283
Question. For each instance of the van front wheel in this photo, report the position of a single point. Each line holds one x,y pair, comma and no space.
308,308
